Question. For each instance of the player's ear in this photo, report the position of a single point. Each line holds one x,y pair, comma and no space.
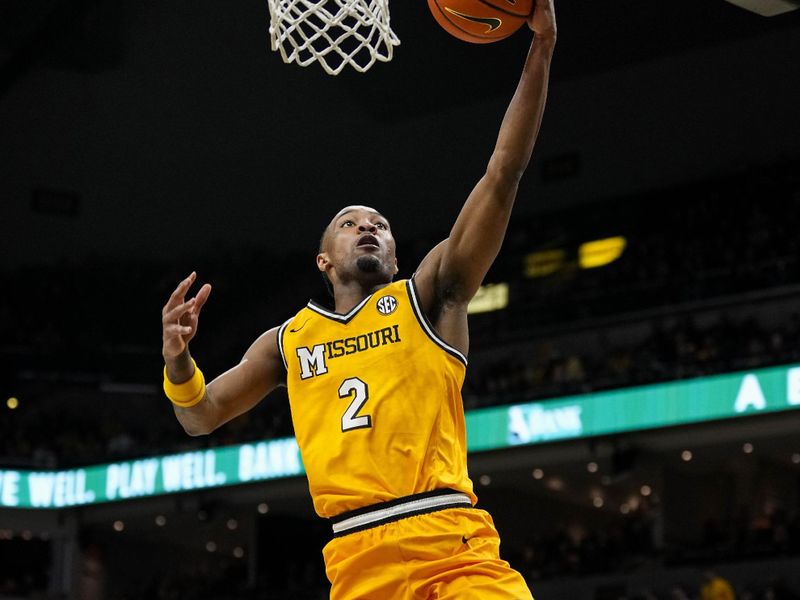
323,261
395,267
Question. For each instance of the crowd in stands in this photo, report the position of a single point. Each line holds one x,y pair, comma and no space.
139,423
23,567
623,546
678,350
629,543
90,333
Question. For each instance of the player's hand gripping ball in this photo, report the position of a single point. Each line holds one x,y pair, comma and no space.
481,21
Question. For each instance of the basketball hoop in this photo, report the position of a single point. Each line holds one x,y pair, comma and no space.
335,33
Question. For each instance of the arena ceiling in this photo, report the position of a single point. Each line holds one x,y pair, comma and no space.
135,113
90,35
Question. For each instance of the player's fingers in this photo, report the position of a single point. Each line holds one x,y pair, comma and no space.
176,330
191,323
177,312
200,298
180,292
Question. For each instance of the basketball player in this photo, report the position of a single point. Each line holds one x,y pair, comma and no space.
374,385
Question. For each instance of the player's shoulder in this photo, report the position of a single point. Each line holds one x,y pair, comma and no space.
290,323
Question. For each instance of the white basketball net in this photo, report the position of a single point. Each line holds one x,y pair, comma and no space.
335,33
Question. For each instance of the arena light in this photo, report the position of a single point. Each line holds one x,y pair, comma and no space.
555,484
600,253
12,403
767,8
489,298
543,263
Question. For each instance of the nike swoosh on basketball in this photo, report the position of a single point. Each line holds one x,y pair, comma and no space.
489,21
296,329
465,539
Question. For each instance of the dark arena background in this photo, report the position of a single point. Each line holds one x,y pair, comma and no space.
634,383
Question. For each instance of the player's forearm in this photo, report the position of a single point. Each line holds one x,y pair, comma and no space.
180,368
199,419
523,117
225,397
478,232
236,390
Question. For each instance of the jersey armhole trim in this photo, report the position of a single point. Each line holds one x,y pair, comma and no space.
280,343
426,325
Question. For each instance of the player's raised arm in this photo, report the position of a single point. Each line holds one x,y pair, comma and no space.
453,271
201,408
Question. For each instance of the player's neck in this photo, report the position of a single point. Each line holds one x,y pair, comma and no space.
347,295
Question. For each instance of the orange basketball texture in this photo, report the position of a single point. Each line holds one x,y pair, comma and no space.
481,21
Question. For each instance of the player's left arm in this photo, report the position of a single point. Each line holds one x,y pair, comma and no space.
452,272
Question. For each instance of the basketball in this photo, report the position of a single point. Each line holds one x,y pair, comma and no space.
481,21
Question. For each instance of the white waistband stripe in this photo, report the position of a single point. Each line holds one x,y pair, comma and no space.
398,510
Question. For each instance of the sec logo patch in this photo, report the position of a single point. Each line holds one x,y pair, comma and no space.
386,305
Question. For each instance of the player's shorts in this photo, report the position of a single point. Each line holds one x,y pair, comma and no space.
449,554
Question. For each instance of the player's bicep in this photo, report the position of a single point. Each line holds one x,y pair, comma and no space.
426,277
454,269
260,371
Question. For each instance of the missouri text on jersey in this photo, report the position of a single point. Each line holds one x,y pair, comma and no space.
312,360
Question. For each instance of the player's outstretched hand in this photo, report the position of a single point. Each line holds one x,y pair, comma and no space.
543,19
179,317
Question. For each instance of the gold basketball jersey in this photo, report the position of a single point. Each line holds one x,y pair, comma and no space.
376,402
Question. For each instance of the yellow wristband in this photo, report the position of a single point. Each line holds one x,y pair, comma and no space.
189,392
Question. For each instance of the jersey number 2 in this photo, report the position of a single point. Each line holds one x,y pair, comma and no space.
356,388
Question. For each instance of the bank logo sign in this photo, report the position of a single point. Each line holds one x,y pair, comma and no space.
646,407
539,423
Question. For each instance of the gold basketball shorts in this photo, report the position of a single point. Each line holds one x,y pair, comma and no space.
451,553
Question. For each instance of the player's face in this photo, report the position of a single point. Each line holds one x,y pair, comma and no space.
358,246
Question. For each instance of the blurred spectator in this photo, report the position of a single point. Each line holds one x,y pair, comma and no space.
716,587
